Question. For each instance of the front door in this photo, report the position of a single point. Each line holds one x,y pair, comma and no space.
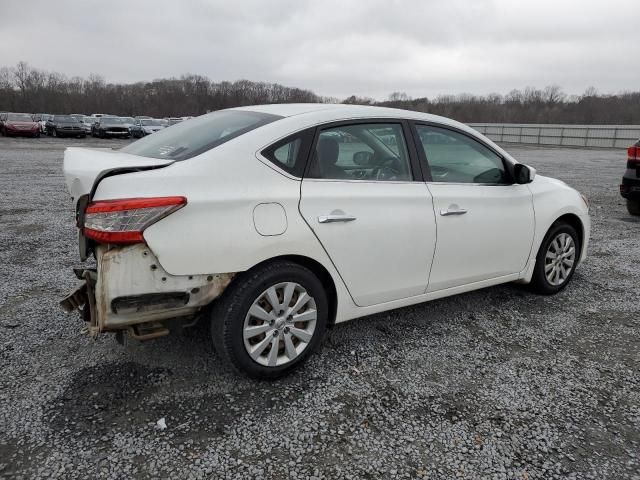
485,221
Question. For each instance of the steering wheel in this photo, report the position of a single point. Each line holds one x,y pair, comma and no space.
389,169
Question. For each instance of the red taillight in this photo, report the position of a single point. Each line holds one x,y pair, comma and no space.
123,221
633,152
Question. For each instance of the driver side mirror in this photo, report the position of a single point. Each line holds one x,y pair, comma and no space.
523,173
363,159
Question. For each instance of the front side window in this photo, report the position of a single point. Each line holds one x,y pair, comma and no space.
188,139
457,158
373,151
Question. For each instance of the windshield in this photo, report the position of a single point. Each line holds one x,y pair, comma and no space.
112,120
89,120
151,123
19,117
191,138
128,120
64,118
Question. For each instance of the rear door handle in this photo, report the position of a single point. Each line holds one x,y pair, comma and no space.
335,218
453,211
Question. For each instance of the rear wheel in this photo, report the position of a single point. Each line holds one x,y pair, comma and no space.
633,207
54,132
556,260
270,320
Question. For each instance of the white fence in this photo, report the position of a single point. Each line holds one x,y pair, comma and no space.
606,136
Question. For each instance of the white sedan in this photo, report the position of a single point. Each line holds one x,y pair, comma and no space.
276,222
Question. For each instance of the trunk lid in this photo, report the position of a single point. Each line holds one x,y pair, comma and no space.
84,167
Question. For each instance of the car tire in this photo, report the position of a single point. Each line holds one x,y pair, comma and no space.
633,207
36,135
3,132
231,320
54,132
557,259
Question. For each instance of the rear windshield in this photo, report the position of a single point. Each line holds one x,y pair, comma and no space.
190,138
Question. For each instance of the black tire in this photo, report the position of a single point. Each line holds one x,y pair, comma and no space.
539,282
54,132
37,134
229,312
2,131
633,207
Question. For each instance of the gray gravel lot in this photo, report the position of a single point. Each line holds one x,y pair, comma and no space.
498,383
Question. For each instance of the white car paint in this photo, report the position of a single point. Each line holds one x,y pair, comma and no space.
398,252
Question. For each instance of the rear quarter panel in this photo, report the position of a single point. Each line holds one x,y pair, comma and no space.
215,231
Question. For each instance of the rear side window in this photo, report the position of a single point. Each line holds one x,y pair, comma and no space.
291,153
193,137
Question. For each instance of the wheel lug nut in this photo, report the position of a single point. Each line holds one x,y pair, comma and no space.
275,333
286,329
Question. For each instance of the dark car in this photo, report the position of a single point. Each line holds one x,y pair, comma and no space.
107,127
630,187
64,126
18,124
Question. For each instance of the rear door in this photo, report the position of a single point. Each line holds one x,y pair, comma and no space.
485,221
364,198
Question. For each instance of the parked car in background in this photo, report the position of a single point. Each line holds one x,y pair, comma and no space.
173,120
65,126
18,124
129,122
79,116
86,123
145,126
630,187
272,228
110,127
42,118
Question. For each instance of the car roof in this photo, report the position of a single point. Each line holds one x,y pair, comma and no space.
298,116
344,111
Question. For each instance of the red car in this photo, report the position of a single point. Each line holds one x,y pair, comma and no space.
18,124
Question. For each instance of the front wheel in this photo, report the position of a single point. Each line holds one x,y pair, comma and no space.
54,133
633,207
556,260
270,320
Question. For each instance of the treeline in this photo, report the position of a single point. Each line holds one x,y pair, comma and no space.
531,105
27,89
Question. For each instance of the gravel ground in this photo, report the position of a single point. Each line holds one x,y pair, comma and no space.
498,383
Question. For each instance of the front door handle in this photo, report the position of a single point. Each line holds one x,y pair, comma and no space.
335,218
453,211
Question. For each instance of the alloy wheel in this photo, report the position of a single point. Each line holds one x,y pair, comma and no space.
559,259
280,324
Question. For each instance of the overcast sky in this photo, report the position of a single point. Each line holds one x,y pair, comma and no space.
336,48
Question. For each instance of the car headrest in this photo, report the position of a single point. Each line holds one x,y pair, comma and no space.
328,150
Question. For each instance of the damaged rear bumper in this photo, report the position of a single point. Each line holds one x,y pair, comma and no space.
129,290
